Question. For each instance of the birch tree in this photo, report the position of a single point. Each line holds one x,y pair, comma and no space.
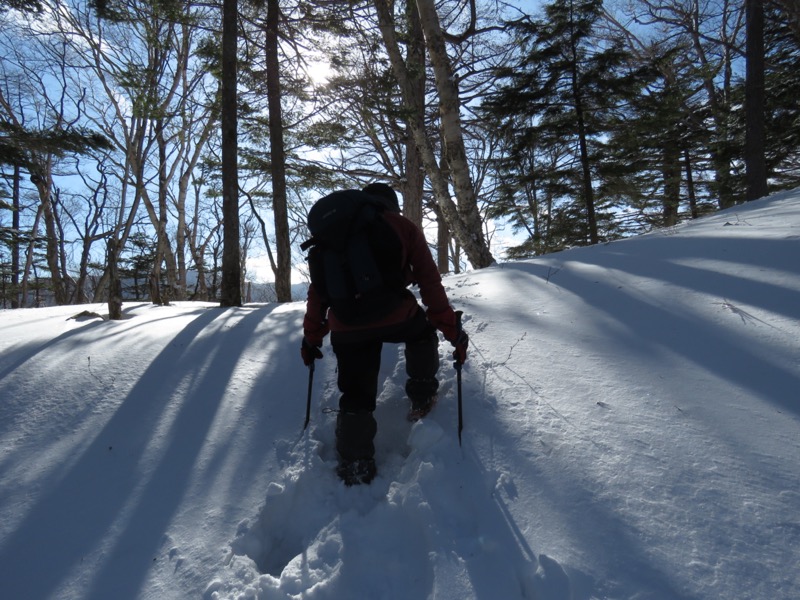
464,220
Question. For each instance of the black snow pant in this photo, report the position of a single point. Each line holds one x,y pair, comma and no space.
358,356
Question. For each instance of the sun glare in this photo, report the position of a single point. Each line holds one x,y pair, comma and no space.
319,71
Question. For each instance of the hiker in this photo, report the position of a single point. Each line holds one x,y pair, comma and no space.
402,255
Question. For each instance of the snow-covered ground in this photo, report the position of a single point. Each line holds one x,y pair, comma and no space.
631,430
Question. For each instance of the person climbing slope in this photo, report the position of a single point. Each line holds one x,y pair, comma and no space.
363,257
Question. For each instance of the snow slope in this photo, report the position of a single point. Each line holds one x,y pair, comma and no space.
632,430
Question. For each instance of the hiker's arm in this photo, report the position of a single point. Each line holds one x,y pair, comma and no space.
315,322
427,276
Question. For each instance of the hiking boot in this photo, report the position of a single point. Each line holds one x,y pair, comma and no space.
355,432
421,407
356,472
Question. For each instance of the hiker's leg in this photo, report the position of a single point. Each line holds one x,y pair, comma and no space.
422,359
358,365
422,365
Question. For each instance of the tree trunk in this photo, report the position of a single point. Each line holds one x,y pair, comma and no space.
755,139
690,189
586,171
283,272
671,172
15,253
26,272
442,244
63,263
719,102
114,285
187,230
42,178
413,187
231,284
156,295
179,291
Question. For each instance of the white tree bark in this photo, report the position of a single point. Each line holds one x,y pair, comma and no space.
455,149
464,222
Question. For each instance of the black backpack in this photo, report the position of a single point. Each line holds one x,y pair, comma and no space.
355,256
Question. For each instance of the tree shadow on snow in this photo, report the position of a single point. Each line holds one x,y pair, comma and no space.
490,462
101,509
624,320
716,347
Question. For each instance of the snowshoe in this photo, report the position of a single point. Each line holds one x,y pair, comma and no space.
420,408
357,472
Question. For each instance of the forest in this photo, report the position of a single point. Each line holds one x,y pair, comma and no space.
150,148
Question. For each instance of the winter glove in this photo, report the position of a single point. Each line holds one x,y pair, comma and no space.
310,352
445,321
460,343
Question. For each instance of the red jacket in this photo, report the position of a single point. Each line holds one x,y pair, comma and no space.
419,268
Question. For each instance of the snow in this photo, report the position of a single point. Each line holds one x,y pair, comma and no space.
631,430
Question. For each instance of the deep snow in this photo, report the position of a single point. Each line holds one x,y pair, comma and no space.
632,430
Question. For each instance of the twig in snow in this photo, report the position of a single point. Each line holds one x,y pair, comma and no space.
97,377
550,272
745,316
514,345
738,222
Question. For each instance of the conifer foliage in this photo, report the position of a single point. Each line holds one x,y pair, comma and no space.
556,107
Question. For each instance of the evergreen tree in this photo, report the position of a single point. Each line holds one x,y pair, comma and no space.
566,86
661,139
136,266
781,91
18,144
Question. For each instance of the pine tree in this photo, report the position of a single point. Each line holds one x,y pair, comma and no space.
565,86
662,138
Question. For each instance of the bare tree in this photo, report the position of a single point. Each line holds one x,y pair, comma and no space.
39,109
155,104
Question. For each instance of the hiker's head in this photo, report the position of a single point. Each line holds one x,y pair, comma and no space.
383,191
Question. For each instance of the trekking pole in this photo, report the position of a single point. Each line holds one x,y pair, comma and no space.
308,401
457,364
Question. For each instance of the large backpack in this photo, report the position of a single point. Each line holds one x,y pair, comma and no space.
354,256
